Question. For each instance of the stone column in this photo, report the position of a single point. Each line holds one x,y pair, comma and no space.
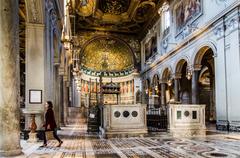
9,79
177,77
56,94
163,93
65,101
61,102
195,87
176,88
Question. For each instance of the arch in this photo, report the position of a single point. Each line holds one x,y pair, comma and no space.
179,64
147,83
166,72
155,79
201,50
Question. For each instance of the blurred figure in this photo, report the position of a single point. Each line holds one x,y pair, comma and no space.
50,124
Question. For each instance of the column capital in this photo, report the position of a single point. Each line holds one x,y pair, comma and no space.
65,78
67,84
196,67
177,75
56,63
162,81
61,71
35,25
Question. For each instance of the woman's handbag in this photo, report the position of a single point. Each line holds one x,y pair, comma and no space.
49,135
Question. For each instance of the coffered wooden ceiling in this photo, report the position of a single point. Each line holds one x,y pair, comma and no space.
122,16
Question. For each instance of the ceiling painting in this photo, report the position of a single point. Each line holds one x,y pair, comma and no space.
122,16
116,7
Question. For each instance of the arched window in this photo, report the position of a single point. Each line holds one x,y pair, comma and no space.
165,18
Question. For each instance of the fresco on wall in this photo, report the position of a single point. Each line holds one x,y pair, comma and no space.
148,52
151,47
154,44
186,11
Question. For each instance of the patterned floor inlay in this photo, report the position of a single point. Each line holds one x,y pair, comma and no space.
167,152
131,153
78,144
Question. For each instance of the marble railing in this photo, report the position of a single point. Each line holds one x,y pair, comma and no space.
186,119
124,120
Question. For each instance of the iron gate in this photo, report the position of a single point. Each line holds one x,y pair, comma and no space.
157,119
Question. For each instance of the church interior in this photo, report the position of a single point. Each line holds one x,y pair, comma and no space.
127,78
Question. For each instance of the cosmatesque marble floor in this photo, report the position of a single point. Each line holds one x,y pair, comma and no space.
78,144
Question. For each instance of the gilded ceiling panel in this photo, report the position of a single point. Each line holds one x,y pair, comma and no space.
126,16
116,7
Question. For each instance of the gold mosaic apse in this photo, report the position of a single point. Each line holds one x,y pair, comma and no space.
108,55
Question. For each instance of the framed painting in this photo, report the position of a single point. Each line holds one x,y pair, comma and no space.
186,11
35,96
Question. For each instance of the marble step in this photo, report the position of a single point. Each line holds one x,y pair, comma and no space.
74,109
76,120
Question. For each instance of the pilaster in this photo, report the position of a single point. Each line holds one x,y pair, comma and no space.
35,70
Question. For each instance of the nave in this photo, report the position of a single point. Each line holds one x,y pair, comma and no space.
157,70
77,143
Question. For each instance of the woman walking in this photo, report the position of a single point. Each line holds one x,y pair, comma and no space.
50,124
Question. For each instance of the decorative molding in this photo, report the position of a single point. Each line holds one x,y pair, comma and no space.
49,5
232,24
162,81
177,75
196,67
165,43
219,31
219,2
107,74
65,78
34,11
53,19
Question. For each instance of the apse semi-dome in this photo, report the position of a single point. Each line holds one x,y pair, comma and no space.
109,55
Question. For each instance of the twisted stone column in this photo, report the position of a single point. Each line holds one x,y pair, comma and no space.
9,79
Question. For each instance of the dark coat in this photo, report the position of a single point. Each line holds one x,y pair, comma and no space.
50,120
